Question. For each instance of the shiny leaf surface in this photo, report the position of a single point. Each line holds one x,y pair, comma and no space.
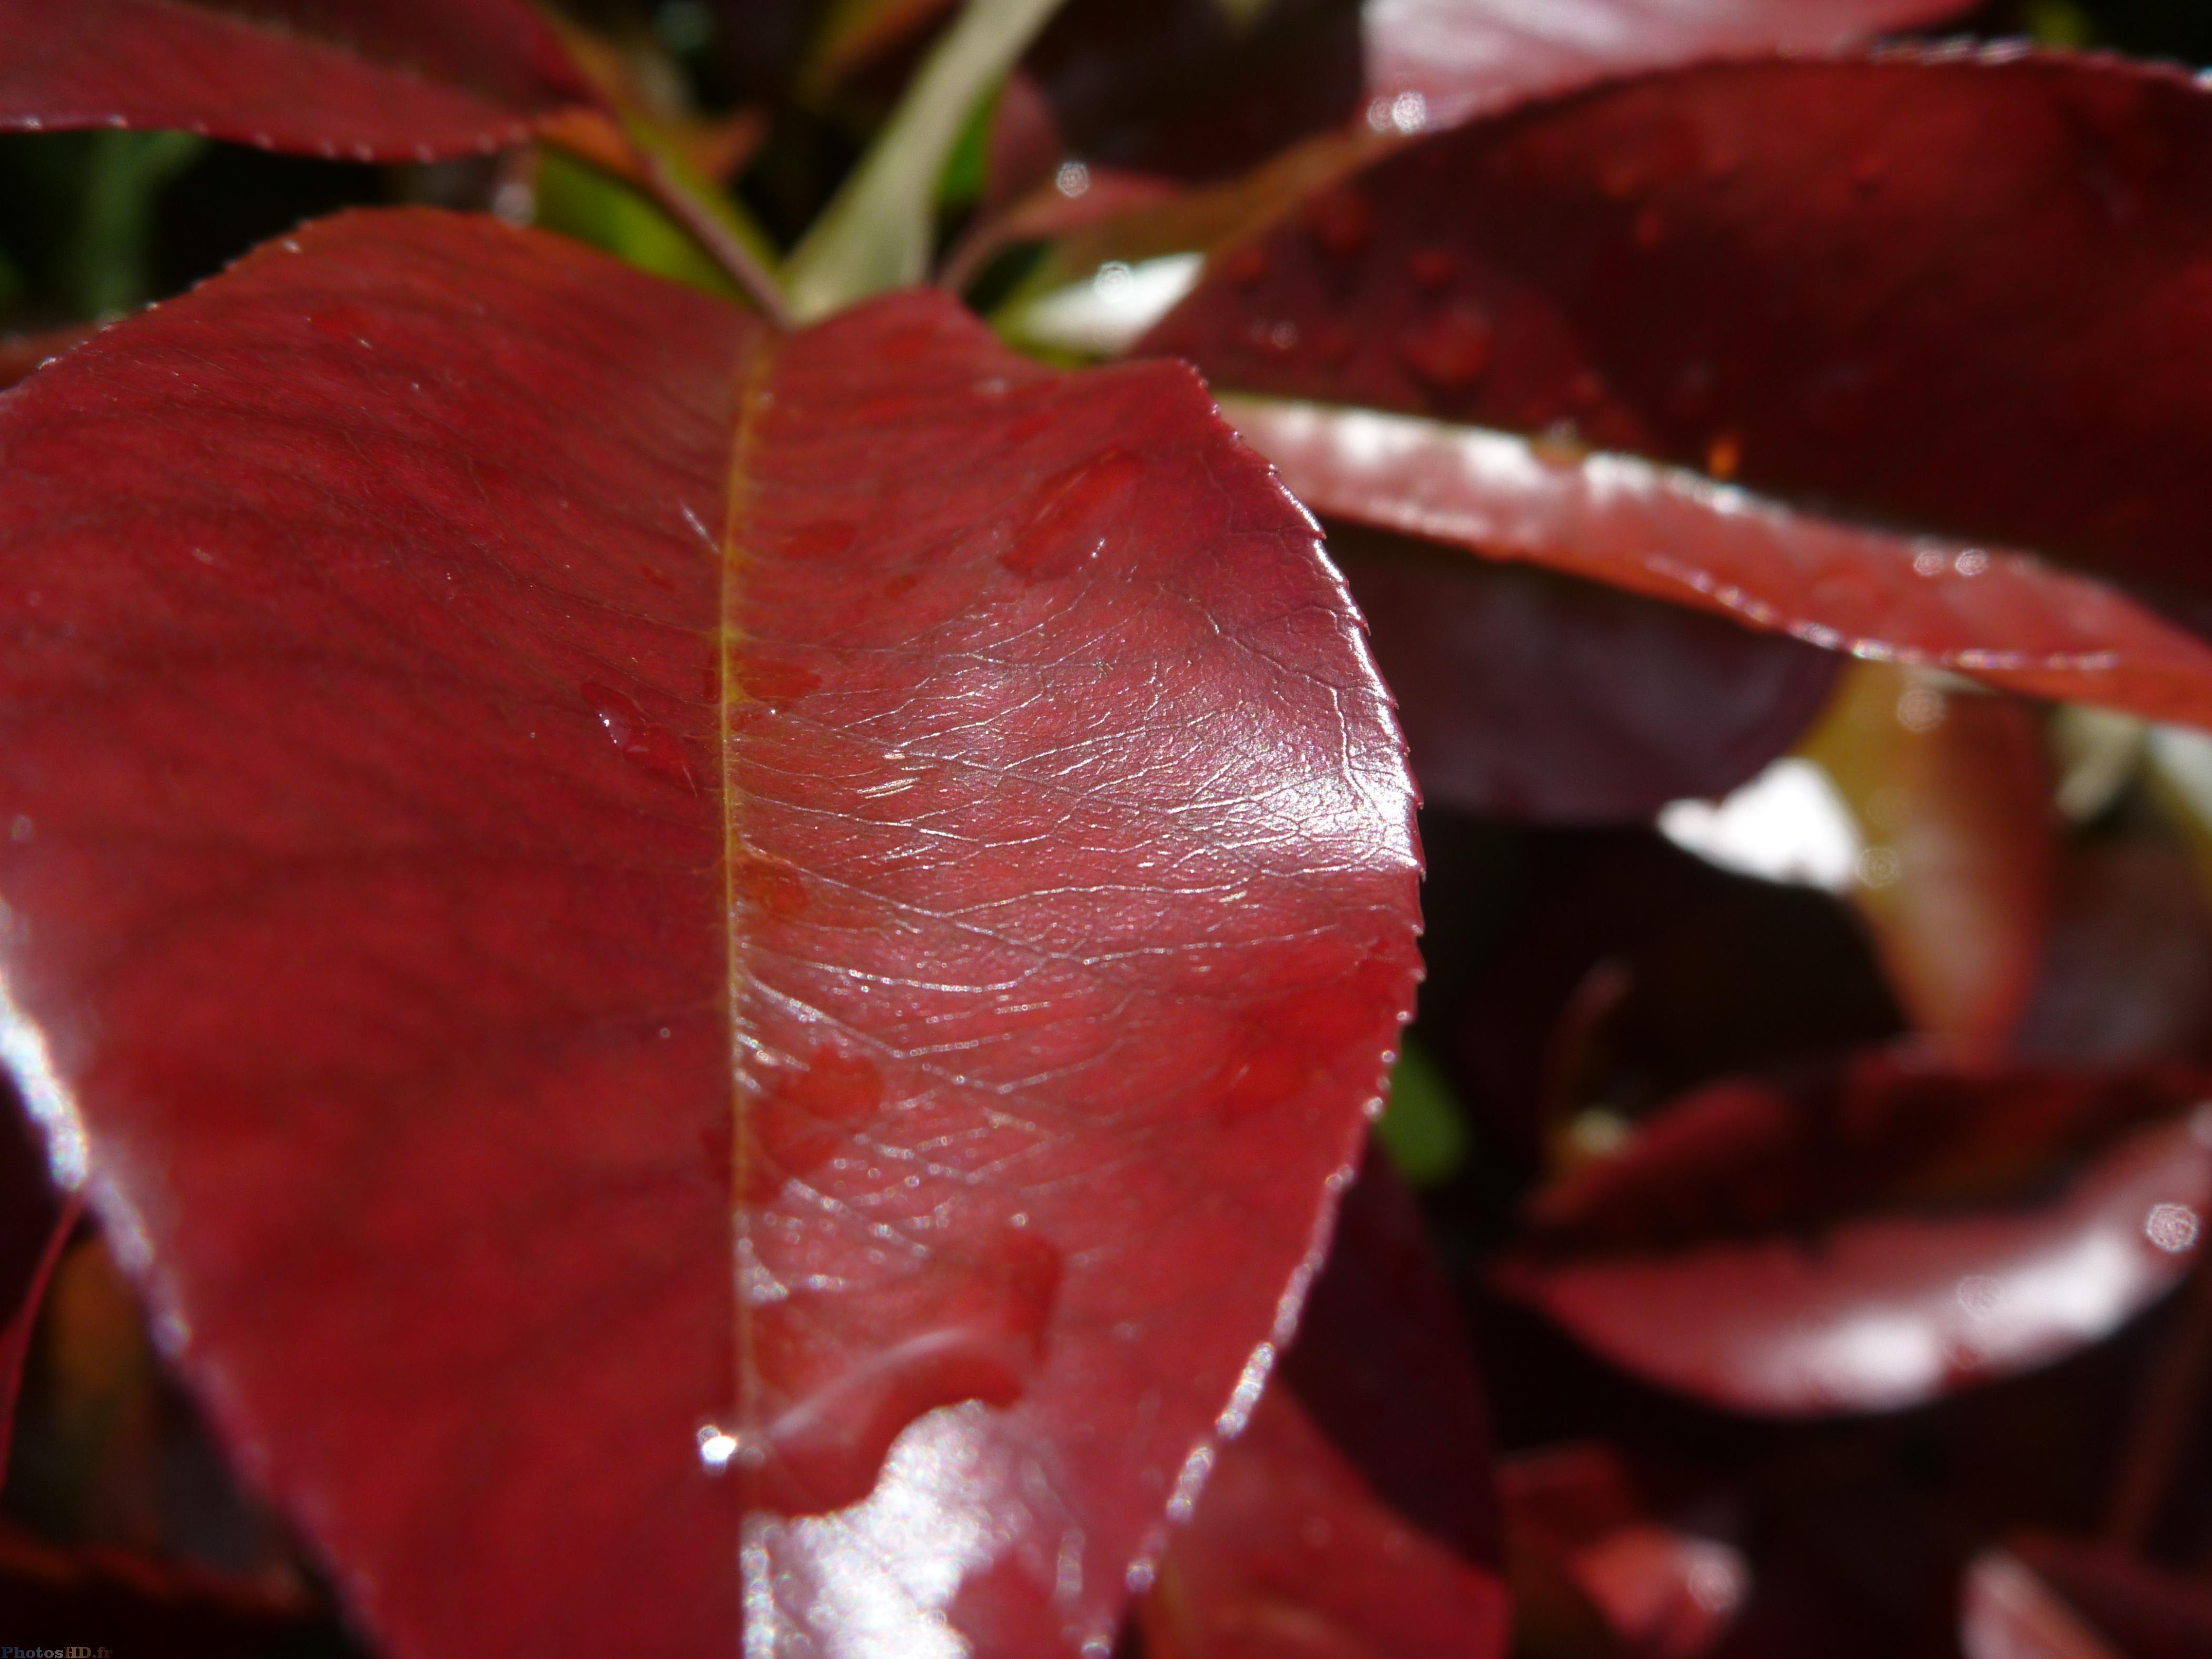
1464,60
1861,1242
370,80
810,902
1759,270
2004,617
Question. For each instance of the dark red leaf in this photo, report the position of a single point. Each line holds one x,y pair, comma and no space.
2127,970
1383,1366
1634,972
1466,60
606,896
1291,1557
2008,1613
61,1597
1875,1238
1527,696
1968,295
2148,1612
1595,1574
369,80
1379,1454
1187,89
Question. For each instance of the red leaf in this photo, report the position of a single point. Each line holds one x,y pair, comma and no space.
1526,695
2148,1612
1865,1247
1379,1455
2008,1612
1192,90
1762,269
1594,1573
1384,1366
1291,1556
57,1596
371,80
564,999
1466,60
2001,616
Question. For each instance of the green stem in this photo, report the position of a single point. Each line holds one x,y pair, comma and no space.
876,234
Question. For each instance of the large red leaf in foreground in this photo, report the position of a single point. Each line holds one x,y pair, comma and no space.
1861,1242
607,897
371,79
1963,294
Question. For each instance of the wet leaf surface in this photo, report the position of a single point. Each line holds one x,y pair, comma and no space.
1872,1235
411,81
1760,270
752,977
2004,617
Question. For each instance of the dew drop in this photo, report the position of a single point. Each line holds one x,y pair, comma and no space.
1245,265
717,1446
969,1321
1341,222
1724,456
769,886
774,682
1451,350
651,746
1070,528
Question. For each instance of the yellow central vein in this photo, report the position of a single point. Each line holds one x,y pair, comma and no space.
753,401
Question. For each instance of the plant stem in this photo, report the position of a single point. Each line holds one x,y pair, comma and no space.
732,255
876,233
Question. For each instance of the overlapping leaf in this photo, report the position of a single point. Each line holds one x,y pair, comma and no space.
1964,295
1356,1515
370,80
630,918
1869,1237
1526,694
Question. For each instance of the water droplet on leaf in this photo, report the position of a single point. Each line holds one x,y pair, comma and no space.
1451,350
651,746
